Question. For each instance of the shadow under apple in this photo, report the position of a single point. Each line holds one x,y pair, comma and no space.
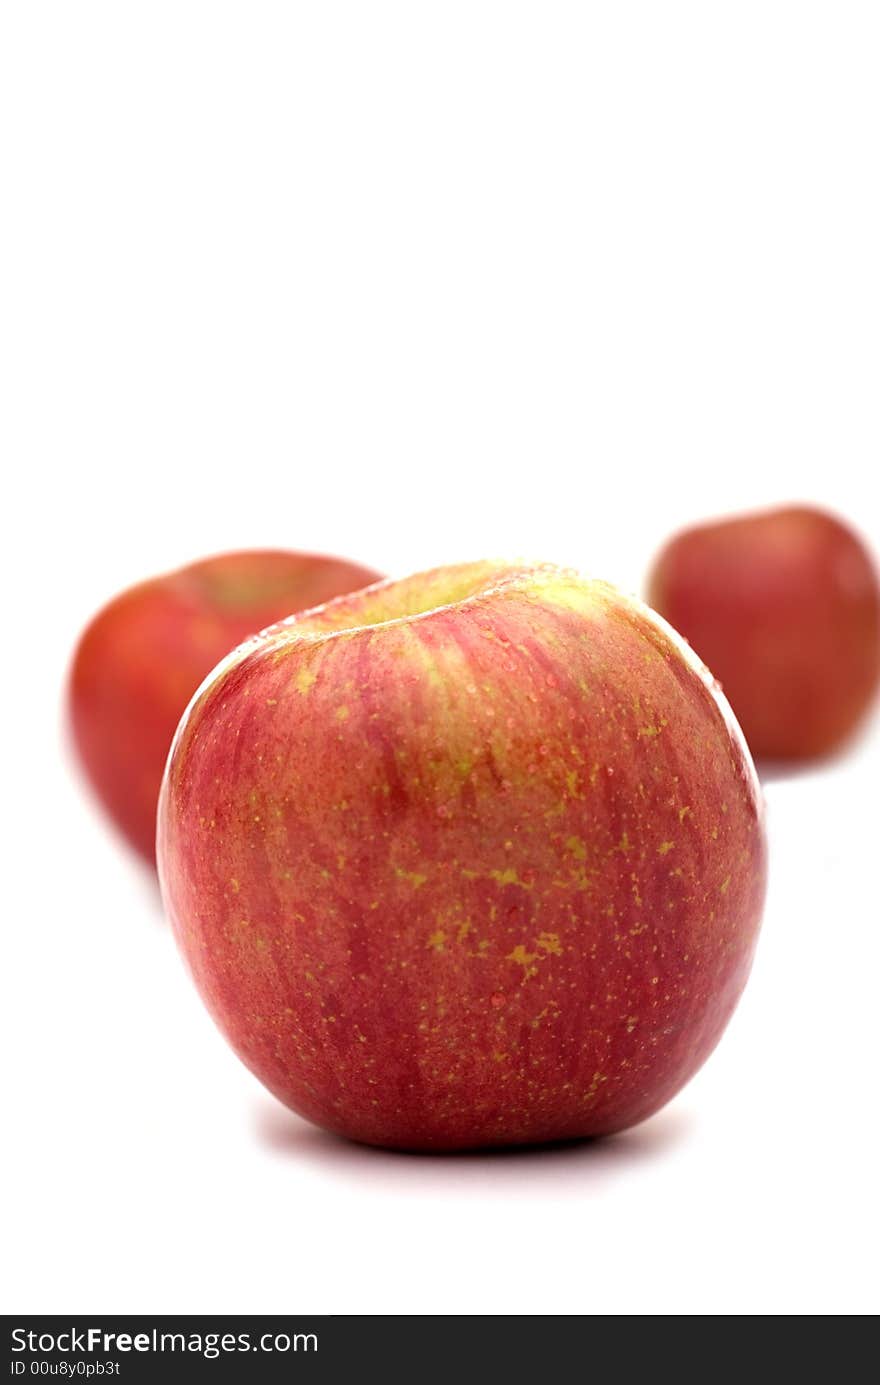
499,1169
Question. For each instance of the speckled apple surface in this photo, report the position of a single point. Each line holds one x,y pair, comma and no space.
475,858
143,656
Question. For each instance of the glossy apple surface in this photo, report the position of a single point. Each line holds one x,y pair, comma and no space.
784,607
143,656
474,858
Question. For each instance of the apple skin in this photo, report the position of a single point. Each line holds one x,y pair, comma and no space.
784,607
491,874
143,656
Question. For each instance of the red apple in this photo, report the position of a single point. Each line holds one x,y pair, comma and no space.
784,606
475,858
145,654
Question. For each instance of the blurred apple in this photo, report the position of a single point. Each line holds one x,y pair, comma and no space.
475,858
784,607
144,655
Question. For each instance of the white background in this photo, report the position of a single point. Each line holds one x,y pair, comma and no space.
416,283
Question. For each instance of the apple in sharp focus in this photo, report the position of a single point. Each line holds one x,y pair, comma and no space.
474,858
784,607
143,656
